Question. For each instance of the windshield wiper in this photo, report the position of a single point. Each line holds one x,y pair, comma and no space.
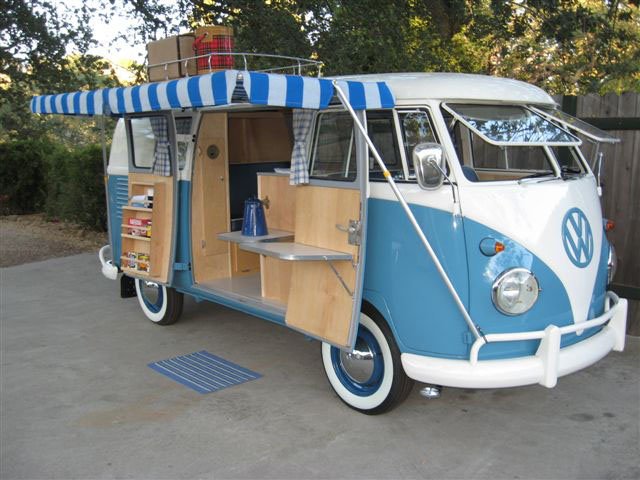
568,172
546,173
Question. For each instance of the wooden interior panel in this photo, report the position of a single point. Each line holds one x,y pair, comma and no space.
275,274
275,277
318,302
243,262
161,221
319,210
256,137
210,201
159,246
281,213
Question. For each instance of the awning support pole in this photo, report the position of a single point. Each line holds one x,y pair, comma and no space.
105,166
387,175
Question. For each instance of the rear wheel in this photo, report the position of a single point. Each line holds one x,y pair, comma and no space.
370,378
160,304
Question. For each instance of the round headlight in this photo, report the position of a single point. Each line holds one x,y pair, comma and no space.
515,291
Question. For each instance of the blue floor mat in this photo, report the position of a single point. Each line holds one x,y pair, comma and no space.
204,372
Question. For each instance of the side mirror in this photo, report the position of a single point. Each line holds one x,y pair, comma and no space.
429,165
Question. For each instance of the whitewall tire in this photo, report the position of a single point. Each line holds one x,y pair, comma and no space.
370,378
160,304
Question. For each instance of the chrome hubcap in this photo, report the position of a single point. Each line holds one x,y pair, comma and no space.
358,364
150,291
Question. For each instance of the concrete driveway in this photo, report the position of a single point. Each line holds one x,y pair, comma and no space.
78,401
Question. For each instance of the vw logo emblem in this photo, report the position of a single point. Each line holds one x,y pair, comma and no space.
577,238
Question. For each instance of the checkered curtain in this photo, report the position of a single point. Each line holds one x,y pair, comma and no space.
161,154
301,133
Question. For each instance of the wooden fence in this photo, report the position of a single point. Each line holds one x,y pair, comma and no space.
620,116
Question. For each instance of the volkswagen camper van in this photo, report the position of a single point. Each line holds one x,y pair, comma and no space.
431,227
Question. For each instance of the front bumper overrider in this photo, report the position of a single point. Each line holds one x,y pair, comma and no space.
549,362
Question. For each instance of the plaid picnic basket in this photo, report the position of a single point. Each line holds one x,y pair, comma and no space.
214,40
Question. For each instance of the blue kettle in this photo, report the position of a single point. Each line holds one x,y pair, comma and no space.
253,222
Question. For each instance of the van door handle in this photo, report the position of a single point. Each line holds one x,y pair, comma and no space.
343,228
353,230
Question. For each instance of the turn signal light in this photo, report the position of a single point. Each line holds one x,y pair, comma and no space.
609,225
490,246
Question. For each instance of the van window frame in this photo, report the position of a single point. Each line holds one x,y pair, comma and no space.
397,143
133,168
547,149
311,155
409,178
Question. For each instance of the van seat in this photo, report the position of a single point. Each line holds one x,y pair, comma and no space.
470,173
243,183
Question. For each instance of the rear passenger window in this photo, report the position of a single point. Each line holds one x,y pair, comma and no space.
151,148
144,142
334,151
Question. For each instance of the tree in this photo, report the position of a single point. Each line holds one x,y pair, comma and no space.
36,38
569,46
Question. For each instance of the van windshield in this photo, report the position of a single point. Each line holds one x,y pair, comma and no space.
501,142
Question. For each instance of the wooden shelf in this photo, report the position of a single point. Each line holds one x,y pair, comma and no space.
294,251
136,237
137,209
237,237
133,271
144,184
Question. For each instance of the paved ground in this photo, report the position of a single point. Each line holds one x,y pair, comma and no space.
78,401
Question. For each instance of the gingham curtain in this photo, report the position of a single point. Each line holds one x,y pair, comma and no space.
161,154
299,172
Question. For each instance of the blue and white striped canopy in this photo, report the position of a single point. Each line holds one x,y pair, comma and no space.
213,89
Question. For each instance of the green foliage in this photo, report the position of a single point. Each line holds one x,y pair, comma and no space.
22,176
39,175
35,37
75,187
564,46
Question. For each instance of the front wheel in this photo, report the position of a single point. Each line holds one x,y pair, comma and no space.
370,378
160,304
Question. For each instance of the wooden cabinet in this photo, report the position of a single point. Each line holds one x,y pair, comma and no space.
146,230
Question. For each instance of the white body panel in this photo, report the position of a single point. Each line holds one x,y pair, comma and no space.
531,213
119,154
411,88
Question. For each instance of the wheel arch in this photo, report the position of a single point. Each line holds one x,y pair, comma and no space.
374,303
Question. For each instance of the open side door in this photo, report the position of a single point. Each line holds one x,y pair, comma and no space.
326,281
148,219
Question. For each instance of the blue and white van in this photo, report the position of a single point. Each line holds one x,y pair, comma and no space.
438,228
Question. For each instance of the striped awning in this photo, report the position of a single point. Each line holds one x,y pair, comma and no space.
200,91
213,89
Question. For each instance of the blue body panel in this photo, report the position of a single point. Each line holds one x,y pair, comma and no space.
118,190
600,288
552,307
402,282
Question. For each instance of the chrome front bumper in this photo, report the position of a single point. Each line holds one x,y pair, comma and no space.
549,362
109,270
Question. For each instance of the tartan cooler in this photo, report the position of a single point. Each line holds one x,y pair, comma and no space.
213,39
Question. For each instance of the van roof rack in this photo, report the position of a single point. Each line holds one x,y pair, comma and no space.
255,62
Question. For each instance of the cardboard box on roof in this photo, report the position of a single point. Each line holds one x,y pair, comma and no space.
170,49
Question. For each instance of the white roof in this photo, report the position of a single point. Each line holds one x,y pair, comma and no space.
409,88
